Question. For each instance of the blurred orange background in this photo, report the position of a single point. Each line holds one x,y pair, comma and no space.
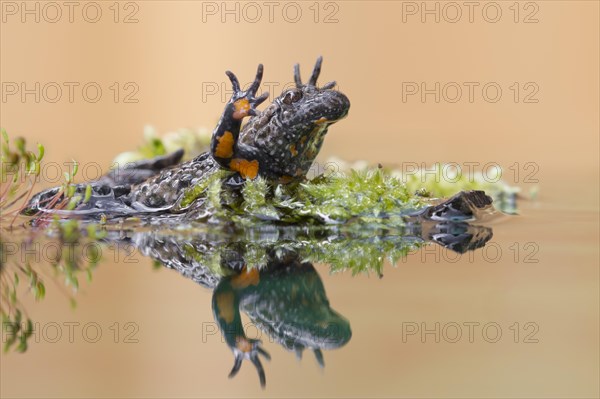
544,57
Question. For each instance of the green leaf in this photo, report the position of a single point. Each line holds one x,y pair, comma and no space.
73,202
29,328
88,194
41,152
75,167
40,291
5,138
22,346
20,145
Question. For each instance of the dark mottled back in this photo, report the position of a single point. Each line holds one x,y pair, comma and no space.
290,131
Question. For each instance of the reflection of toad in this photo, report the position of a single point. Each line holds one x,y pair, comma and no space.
266,272
287,301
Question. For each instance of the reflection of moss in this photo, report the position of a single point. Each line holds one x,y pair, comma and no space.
351,247
210,260
365,255
355,248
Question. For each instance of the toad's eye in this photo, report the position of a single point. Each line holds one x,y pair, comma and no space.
292,96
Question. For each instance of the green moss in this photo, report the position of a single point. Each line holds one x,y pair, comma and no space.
258,201
367,196
445,180
353,191
363,195
204,189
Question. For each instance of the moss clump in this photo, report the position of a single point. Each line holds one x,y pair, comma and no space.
371,196
442,180
205,189
349,190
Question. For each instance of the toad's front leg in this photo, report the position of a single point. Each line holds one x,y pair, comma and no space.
225,146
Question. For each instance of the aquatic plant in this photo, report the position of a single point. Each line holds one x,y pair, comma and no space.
19,170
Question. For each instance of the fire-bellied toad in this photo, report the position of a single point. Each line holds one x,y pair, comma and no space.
279,144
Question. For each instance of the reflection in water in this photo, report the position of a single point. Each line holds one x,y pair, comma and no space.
287,301
265,272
